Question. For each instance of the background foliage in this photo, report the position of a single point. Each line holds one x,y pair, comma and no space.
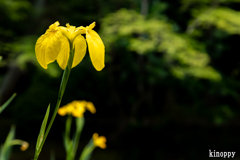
171,79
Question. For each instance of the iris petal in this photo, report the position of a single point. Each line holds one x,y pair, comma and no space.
48,47
63,56
38,50
96,49
80,50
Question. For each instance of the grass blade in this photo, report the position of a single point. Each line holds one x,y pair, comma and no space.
6,148
42,131
7,102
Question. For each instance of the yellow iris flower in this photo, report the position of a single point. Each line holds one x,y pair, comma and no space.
58,41
77,108
99,141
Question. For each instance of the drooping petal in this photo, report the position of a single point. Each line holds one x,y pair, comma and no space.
90,107
48,46
80,50
40,51
63,56
53,47
96,49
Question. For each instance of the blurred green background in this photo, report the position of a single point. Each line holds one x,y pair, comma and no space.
169,89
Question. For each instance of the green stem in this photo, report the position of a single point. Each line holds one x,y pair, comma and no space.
68,127
65,77
79,127
68,144
17,142
87,151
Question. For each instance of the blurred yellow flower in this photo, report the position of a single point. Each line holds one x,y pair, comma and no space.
24,146
57,42
99,141
77,108
67,109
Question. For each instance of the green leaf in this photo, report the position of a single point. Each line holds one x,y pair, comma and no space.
42,130
6,148
7,102
69,151
87,151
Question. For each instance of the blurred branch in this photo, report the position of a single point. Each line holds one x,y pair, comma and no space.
215,3
144,7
